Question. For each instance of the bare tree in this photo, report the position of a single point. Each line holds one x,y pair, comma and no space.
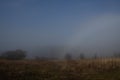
68,56
95,56
82,56
116,55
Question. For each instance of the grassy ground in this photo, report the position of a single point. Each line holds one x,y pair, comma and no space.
90,69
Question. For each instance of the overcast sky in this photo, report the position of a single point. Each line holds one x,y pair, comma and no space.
89,24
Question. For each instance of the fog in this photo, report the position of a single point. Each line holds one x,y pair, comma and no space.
99,34
52,29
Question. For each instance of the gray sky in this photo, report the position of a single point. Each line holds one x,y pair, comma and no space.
92,25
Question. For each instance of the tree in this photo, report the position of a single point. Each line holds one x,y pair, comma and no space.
95,56
14,55
116,55
82,56
68,56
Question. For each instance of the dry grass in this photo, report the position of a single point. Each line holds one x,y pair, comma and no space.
88,69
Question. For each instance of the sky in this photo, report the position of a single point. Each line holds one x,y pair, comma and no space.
89,24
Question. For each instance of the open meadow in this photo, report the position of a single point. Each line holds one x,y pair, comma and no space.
87,69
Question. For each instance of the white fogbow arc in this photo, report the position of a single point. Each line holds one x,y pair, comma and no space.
97,33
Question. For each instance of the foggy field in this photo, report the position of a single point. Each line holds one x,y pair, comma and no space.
87,69
59,39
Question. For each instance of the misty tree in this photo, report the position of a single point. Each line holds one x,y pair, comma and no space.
14,55
68,56
116,55
53,53
82,56
95,56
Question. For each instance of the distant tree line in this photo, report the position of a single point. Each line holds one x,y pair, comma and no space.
14,55
21,54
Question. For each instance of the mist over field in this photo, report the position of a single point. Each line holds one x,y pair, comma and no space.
54,28
59,39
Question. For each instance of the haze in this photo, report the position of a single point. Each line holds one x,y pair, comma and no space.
88,26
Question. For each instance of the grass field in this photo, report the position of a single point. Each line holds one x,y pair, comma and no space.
88,69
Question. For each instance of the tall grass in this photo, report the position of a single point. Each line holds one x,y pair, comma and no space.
87,69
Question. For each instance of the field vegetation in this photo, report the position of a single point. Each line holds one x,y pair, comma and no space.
84,69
